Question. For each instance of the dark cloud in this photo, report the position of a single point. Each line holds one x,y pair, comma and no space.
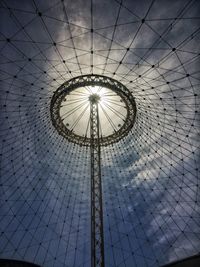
150,178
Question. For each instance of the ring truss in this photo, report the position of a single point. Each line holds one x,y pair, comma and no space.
88,81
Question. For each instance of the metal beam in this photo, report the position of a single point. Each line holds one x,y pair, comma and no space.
97,235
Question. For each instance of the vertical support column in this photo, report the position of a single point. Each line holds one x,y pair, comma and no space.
97,236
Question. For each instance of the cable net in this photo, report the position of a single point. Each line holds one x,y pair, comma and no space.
150,177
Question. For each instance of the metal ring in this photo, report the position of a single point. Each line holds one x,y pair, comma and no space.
93,80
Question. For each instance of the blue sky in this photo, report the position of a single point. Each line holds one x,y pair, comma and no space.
150,178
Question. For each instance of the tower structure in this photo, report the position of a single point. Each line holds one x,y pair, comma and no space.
99,91
97,234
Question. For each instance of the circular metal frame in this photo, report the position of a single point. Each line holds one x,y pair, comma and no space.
93,80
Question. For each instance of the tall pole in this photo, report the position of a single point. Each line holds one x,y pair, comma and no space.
97,235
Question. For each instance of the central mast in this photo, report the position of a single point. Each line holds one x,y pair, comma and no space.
97,235
79,114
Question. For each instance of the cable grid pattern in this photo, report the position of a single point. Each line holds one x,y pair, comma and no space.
151,199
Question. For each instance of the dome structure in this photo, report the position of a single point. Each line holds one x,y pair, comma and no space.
150,176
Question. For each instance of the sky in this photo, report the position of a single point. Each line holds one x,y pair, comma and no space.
150,178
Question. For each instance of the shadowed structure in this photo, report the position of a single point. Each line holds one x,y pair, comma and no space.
149,173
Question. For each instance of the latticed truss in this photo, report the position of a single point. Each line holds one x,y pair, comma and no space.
103,82
97,231
150,177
